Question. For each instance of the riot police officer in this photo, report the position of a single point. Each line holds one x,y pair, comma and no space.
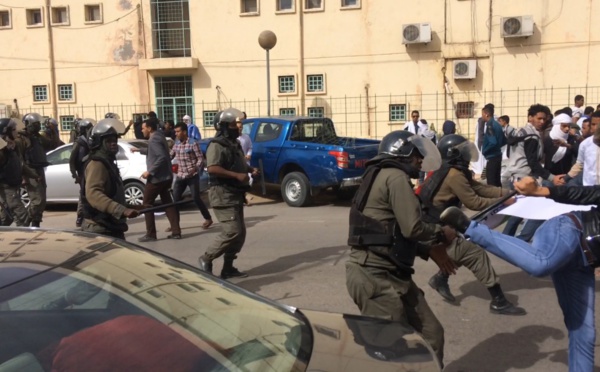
453,185
387,232
104,209
81,149
11,176
31,145
229,181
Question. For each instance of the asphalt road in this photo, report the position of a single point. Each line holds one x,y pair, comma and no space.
297,255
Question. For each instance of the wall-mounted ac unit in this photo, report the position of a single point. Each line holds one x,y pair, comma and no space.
465,69
521,26
415,33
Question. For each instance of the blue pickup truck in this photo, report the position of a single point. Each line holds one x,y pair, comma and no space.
305,156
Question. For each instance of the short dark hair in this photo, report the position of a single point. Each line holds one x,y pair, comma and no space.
505,118
588,110
489,108
535,109
170,122
182,126
152,114
578,97
415,112
151,123
596,114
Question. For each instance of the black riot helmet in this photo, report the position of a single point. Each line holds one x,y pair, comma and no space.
403,144
112,115
84,126
105,128
228,116
216,120
33,122
456,148
6,127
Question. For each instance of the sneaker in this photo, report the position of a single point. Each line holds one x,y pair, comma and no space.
207,224
233,273
168,229
79,221
146,238
174,236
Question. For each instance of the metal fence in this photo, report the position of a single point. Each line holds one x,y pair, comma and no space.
368,116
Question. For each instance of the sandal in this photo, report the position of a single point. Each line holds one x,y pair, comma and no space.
207,224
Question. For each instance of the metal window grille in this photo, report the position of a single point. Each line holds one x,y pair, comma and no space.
171,28
65,92
465,109
249,6
4,18
177,86
34,17
92,13
285,5
397,112
288,111
40,93
287,84
350,3
66,122
208,117
314,83
174,97
314,4
316,112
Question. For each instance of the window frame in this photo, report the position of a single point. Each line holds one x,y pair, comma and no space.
28,13
324,85
9,26
249,14
348,7
315,107
72,100
294,92
465,109
47,94
61,122
402,118
312,10
285,11
288,108
53,11
208,124
86,8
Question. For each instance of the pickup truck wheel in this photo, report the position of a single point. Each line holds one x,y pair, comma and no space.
295,189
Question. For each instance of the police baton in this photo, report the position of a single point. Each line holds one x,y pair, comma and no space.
164,206
262,177
486,215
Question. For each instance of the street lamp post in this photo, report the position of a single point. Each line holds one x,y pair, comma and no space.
267,40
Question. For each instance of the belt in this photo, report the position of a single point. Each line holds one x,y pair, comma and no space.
589,256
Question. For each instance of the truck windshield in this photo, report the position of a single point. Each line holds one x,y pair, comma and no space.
318,131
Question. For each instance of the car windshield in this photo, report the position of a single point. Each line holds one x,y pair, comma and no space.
132,299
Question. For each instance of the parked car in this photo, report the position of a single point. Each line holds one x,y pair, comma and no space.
84,302
61,187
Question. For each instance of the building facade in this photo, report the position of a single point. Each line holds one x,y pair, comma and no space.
364,63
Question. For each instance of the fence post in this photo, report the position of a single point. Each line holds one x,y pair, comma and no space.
535,94
375,114
95,111
552,96
569,94
518,105
346,113
360,115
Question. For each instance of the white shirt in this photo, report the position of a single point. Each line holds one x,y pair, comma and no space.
246,144
589,157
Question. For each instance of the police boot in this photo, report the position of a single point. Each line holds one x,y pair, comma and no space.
454,217
205,265
500,305
35,223
229,271
439,282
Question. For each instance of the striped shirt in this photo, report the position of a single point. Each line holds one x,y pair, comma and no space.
189,157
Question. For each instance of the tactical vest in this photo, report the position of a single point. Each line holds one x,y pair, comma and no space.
232,153
11,172
35,156
430,189
383,238
83,150
115,192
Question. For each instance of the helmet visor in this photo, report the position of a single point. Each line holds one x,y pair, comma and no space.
431,155
468,151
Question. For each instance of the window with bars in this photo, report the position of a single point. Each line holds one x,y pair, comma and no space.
60,15
171,28
174,97
287,84
66,92
316,112
5,19
285,5
465,110
350,3
249,6
315,83
40,93
93,13
397,112
288,111
66,122
313,4
208,117
34,17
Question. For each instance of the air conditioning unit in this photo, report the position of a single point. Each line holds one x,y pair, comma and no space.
465,69
415,33
521,26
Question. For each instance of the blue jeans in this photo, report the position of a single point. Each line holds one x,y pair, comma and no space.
555,251
530,226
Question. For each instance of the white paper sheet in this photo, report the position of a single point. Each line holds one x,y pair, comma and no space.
536,208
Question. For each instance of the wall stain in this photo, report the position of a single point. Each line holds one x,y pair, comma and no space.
125,4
